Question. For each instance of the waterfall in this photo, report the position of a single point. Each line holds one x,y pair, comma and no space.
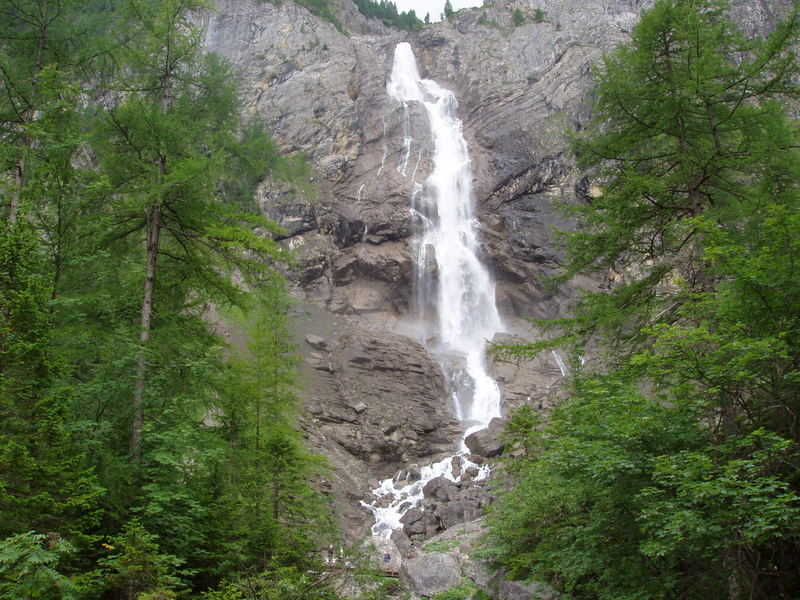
451,285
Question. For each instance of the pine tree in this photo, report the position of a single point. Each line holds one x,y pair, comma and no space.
45,43
45,484
164,151
448,9
278,516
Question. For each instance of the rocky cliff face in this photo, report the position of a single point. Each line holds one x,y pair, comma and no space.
375,398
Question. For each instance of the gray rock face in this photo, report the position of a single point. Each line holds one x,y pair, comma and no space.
374,398
372,375
535,382
401,542
430,573
374,401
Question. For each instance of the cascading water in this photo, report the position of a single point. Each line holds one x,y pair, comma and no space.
451,282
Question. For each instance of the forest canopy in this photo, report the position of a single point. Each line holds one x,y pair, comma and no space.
671,470
140,456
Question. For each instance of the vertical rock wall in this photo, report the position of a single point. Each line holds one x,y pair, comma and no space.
375,399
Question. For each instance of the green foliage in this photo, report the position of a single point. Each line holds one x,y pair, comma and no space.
138,570
276,516
27,568
538,15
164,152
518,17
484,20
448,9
168,205
674,476
284,583
323,9
466,589
674,139
443,546
229,592
44,482
386,11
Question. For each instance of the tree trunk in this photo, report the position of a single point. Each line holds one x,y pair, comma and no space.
19,171
153,234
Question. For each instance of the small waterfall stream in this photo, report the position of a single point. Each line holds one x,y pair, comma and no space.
452,287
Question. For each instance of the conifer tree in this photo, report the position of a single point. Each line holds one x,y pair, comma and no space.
448,9
279,517
163,150
45,43
45,484
690,120
678,465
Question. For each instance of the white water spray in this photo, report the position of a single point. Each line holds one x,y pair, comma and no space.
451,283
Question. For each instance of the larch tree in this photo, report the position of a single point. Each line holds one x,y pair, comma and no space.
164,150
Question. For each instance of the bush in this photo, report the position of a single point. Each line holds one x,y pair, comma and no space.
462,591
27,567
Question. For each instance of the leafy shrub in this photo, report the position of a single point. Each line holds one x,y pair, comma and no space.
27,568
462,591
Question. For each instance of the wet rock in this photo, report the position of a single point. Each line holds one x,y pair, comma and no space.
455,468
412,516
439,488
535,382
414,473
431,573
416,528
474,458
486,442
402,542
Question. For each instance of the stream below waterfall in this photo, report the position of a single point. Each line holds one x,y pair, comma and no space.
453,295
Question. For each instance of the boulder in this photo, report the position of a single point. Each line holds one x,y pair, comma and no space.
359,407
486,442
412,516
458,511
516,590
316,342
430,573
440,488
402,542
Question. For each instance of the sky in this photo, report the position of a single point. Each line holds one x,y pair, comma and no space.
435,7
